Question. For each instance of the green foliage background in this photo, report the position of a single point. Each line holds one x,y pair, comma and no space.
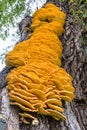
9,11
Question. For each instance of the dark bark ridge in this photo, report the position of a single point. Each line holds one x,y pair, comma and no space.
74,61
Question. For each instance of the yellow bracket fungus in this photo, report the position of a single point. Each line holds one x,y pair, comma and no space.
38,84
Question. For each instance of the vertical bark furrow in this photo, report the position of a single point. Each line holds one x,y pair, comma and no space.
74,62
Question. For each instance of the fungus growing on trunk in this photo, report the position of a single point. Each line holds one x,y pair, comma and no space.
38,84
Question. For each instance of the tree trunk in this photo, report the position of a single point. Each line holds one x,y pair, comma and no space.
74,60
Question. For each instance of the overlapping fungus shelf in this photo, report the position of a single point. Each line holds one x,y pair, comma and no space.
38,84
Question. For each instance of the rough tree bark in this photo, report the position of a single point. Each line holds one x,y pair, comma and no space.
74,60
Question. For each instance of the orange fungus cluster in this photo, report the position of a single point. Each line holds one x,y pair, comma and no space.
38,84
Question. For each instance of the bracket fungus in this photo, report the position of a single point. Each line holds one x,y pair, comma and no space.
38,84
